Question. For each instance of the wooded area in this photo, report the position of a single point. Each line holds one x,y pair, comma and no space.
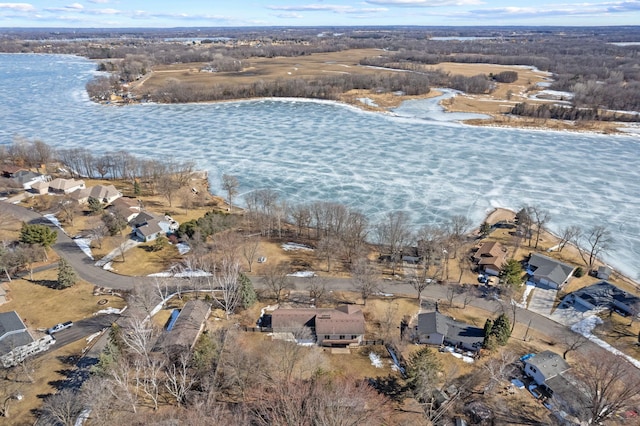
583,61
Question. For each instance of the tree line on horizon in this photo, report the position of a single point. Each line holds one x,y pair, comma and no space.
583,61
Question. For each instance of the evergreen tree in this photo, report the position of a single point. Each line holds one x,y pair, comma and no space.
502,329
488,326
249,296
95,206
66,275
485,229
511,273
38,234
422,373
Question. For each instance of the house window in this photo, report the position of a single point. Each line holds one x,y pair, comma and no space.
534,369
326,336
342,337
353,336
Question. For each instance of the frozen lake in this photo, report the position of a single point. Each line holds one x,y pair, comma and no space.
415,161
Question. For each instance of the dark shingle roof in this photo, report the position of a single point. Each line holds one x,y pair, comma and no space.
13,332
548,268
435,322
606,295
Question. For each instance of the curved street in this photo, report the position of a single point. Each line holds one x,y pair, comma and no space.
86,269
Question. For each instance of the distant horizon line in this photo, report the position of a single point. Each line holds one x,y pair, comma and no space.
317,26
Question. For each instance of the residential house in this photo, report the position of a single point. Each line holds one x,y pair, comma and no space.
126,207
604,295
548,271
187,328
343,326
9,170
106,194
27,179
604,272
40,187
551,373
148,227
437,329
490,257
65,186
13,332
544,366
16,343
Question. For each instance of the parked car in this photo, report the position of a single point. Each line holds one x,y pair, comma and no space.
59,327
262,259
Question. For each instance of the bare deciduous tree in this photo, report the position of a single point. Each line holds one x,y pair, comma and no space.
63,408
179,380
597,240
275,278
610,383
250,248
230,184
568,234
393,233
364,279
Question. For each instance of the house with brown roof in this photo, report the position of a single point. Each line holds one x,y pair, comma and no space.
106,194
188,327
126,207
343,326
65,186
490,257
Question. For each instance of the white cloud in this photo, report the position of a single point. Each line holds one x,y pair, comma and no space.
21,7
75,6
99,1
425,3
290,15
327,8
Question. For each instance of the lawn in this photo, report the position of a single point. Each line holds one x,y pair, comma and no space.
41,307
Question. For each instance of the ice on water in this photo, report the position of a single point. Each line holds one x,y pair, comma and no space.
414,159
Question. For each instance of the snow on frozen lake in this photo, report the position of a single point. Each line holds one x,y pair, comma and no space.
414,159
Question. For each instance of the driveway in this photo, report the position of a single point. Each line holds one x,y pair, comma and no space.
542,300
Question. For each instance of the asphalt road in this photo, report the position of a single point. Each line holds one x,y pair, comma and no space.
84,266
83,329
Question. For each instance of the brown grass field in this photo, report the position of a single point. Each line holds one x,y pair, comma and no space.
316,65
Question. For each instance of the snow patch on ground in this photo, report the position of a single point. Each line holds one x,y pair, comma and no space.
302,274
525,296
85,246
464,358
586,326
83,243
183,248
110,311
189,273
295,246
368,102
375,360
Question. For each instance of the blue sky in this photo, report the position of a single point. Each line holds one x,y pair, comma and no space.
209,13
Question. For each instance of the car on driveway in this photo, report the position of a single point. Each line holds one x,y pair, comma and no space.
59,327
262,259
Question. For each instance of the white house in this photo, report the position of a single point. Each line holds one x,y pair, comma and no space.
106,194
545,366
65,186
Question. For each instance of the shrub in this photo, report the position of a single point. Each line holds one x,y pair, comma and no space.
578,272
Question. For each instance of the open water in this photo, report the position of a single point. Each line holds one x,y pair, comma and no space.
416,161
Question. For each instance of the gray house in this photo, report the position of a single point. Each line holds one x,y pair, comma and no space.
148,227
545,366
548,271
605,295
437,329
13,332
